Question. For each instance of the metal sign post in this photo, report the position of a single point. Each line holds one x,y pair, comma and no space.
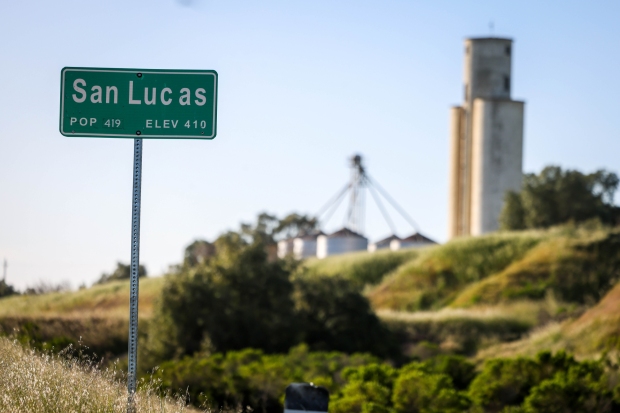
135,264
137,104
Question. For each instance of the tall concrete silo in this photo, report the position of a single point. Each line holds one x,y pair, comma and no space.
486,139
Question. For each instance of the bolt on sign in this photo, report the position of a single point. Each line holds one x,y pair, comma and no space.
138,103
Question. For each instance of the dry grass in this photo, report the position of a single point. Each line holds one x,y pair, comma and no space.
462,331
527,312
596,331
33,382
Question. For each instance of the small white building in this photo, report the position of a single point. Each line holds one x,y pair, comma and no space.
340,242
305,246
416,240
285,247
383,244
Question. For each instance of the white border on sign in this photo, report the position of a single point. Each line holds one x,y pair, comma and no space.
134,136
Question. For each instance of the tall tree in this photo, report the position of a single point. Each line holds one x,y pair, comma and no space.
556,196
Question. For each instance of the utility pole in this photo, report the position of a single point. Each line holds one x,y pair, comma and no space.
4,271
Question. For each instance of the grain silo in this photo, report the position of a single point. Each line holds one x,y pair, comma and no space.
416,240
486,139
383,244
285,247
340,242
305,246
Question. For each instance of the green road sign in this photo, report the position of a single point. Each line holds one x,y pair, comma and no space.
138,103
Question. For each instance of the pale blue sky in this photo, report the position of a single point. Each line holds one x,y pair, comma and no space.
302,86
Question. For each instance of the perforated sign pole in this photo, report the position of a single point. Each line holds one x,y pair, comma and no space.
135,265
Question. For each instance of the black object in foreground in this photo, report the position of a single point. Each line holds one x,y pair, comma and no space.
304,397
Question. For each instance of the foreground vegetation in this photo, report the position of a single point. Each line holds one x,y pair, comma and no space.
35,382
455,327
361,383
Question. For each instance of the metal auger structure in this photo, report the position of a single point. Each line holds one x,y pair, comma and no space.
355,188
351,237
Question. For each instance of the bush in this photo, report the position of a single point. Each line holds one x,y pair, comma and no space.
237,301
416,391
504,382
240,298
461,371
579,389
252,378
333,315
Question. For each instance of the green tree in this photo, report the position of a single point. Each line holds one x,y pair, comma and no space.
504,382
295,225
198,252
238,300
6,289
418,392
368,389
460,370
334,315
556,196
122,272
577,389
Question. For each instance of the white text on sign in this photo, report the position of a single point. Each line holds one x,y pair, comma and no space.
150,97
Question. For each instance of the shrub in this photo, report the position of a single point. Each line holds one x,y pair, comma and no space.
333,315
504,382
241,299
579,389
461,371
237,301
252,378
416,391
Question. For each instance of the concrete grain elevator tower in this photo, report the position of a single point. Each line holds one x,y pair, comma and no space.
486,139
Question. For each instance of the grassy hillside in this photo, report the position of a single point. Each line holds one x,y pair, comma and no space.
595,332
438,274
109,300
576,265
468,296
362,267
576,268
32,382
96,317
